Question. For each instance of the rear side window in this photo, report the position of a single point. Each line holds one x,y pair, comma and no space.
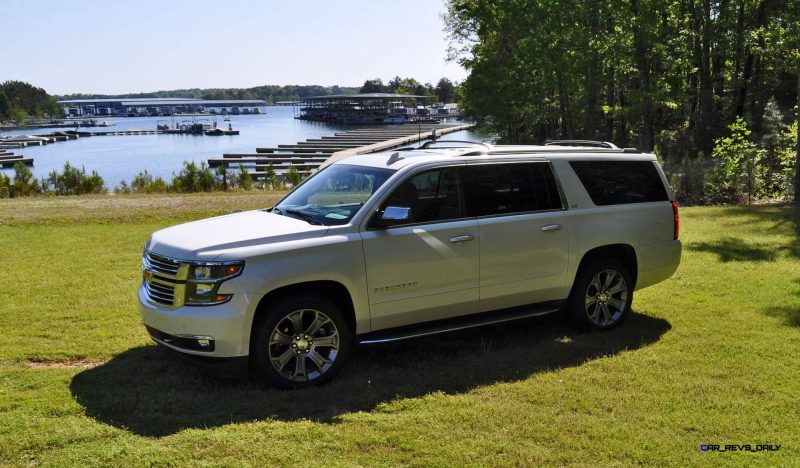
497,189
620,182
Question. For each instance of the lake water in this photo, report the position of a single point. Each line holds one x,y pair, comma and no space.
118,158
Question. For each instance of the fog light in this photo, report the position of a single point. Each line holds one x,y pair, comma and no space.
204,342
204,288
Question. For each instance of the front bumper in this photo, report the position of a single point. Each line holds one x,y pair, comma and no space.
227,326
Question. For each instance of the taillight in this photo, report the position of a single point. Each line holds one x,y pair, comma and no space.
677,219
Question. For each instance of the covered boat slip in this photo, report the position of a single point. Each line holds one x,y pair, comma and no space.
365,109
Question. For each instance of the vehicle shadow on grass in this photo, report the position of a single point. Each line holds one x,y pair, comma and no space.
152,392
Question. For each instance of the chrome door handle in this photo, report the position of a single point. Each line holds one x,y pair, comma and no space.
551,227
457,239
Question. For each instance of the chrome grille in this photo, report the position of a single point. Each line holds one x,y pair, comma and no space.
163,280
160,293
159,264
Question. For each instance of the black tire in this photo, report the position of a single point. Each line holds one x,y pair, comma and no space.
321,362
599,279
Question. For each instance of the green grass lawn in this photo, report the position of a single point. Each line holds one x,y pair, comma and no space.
709,357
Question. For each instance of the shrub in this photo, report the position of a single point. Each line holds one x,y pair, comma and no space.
270,178
5,186
193,178
221,176
292,176
144,182
24,183
244,180
734,174
73,181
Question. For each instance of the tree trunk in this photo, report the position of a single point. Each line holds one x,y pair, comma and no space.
563,102
705,134
797,155
644,79
609,130
621,137
591,73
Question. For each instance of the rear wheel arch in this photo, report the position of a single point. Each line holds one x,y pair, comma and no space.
624,253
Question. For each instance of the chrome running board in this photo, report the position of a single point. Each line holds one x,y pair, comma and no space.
459,323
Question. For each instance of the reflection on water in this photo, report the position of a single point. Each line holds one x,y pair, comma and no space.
118,158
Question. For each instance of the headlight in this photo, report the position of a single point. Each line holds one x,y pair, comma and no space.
204,281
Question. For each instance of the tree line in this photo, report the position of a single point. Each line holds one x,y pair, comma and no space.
269,93
444,91
19,100
672,76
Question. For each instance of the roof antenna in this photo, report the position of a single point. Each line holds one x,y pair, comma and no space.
394,158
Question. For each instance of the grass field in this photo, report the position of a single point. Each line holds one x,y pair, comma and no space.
709,357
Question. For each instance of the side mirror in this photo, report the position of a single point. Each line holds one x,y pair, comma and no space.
392,216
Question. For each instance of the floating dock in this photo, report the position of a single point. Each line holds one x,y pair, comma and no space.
308,156
8,160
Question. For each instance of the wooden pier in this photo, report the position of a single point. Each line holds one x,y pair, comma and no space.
310,155
8,160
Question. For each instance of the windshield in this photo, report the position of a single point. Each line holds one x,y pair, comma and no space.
333,195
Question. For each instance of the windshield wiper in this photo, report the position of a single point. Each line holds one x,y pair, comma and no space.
305,216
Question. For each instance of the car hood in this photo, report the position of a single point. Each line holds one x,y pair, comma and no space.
206,239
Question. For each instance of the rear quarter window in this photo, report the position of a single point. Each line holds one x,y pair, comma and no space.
620,182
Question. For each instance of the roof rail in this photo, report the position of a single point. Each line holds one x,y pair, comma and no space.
428,144
593,143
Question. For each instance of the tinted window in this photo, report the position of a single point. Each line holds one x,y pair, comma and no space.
435,195
511,188
618,182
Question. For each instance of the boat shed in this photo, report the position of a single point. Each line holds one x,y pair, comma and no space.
159,106
362,109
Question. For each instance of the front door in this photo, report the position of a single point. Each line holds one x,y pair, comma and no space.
426,268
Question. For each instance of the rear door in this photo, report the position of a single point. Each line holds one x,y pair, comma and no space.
522,231
426,269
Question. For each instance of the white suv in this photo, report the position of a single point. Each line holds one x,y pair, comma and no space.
400,244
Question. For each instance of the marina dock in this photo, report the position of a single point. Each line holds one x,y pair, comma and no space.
8,160
310,155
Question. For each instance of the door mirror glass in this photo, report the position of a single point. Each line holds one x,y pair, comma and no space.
396,213
392,216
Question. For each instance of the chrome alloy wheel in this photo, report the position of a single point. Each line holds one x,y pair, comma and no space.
606,298
303,345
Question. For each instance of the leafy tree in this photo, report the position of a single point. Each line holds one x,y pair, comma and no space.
29,99
373,86
18,115
672,73
5,106
445,90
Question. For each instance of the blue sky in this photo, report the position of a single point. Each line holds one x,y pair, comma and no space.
119,46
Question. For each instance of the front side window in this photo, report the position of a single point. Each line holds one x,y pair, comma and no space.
508,188
334,195
432,196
